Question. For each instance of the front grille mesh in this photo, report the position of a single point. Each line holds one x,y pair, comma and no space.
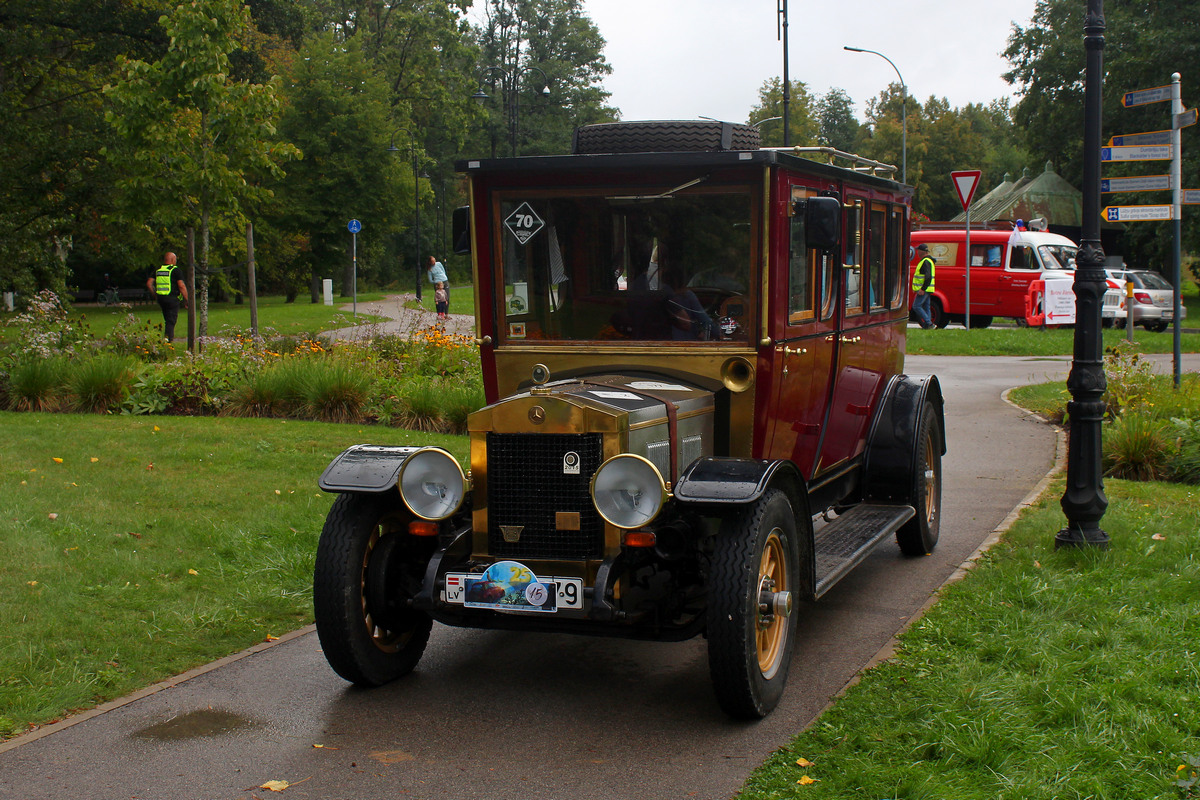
527,487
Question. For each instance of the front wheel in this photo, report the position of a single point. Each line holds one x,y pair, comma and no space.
751,627
920,534
368,568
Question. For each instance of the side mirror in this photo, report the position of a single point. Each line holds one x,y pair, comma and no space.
461,230
822,222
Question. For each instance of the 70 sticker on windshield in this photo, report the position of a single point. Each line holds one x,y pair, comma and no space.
524,223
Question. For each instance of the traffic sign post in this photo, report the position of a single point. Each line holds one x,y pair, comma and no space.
354,226
966,181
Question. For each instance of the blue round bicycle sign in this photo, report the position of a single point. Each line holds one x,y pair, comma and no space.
354,226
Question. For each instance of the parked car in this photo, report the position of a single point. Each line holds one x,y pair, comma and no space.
1153,301
688,452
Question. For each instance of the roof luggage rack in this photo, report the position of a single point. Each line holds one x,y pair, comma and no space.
858,163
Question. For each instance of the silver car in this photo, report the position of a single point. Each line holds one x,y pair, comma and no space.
1152,303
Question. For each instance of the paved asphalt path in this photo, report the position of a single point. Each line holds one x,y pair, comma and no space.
508,716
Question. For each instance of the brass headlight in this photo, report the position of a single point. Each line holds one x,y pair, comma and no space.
628,491
432,483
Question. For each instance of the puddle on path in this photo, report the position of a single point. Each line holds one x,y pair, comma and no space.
195,724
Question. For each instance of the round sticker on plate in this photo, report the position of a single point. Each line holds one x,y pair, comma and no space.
536,594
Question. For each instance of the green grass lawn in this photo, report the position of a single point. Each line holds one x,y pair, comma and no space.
156,544
299,317
1043,674
462,299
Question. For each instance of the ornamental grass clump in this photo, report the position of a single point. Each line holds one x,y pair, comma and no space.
1138,447
36,385
99,384
333,391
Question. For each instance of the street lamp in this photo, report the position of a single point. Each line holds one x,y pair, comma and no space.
417,175
509,86
903,110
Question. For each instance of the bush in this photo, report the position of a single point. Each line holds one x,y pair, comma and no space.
1185,466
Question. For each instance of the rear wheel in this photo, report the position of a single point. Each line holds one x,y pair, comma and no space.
980,320
1157,327
920,534
367,569
751,630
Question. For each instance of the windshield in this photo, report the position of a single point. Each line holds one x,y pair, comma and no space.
1150,280
648,264
1057,256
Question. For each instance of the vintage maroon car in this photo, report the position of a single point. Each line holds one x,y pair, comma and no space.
697,415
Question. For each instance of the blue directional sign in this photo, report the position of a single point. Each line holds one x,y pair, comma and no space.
354,226
1144,96
1153,137
1149,152
1137,213
1137,183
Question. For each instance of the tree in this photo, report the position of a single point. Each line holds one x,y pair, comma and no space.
836,125
337,113
1144,44
801,119
54,190
196,142
520,42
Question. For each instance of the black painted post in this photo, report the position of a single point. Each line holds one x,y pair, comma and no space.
1084,502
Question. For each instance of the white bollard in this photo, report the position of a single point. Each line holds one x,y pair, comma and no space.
327,287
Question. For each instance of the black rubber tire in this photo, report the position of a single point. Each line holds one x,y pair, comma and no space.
920,534
665,136
1157,327
980,321
937,314
367,566
745,687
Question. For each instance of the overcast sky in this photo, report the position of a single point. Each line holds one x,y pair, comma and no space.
685,59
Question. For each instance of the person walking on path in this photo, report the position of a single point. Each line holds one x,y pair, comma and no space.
922,284
170,290
437,274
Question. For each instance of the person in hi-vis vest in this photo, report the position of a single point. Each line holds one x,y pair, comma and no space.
922,286
170,290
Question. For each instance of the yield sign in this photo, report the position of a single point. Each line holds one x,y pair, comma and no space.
965,183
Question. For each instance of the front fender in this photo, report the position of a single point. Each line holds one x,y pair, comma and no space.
717,481
370,468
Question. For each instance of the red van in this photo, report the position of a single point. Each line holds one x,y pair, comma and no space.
1003,264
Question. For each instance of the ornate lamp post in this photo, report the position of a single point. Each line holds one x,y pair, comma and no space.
510,97
417,175
1084,502
903,110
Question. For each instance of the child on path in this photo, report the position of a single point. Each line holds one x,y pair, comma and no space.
441,300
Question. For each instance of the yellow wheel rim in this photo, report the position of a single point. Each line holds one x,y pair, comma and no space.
386,640
772,627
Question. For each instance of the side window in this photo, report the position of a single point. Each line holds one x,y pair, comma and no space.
828,286
801,263
894,259
800,283
852,263
877,240
1022,258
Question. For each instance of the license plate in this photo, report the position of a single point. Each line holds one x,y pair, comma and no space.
513,589
1168,314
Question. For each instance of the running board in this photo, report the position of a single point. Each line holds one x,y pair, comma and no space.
850,538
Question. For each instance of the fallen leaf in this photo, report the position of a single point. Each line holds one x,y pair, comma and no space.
94,459
806,781
156,429
192,572
150,466
1158,537
391,756
56,460
803,762
52,515
31,583
278,492
271,638
274,786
